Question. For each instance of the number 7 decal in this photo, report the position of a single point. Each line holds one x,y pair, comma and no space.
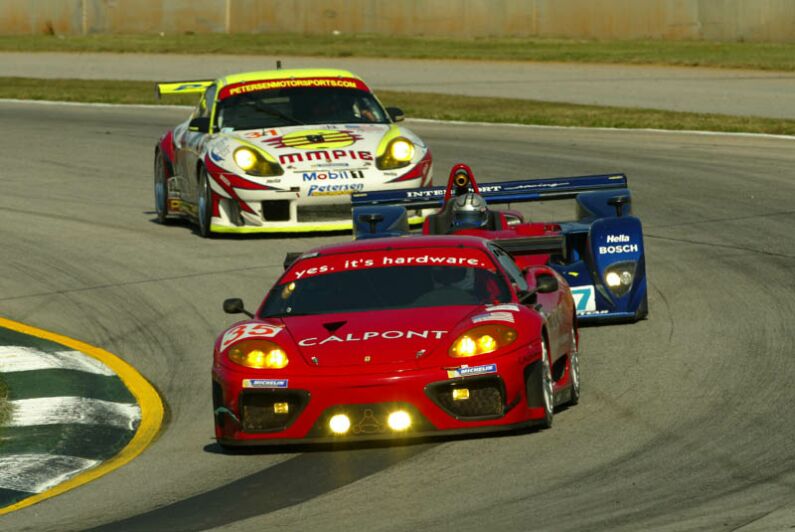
584,300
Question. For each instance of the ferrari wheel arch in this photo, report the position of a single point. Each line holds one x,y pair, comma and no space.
539,384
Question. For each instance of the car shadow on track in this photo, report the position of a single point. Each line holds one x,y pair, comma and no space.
349,445
183,223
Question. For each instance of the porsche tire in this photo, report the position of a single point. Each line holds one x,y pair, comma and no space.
161,188
540,391
204,210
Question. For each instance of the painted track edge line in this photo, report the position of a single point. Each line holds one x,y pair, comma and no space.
148,399
437,121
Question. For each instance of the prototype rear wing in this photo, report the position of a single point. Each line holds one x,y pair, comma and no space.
181,87
502,192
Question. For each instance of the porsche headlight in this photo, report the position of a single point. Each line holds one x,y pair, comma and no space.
399,153
619,277
483,339
254,163
260,354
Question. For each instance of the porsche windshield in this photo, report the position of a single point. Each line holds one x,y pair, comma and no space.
385,289
299,106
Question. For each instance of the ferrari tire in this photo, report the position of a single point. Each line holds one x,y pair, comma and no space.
161,188
574,370
204,209
540,391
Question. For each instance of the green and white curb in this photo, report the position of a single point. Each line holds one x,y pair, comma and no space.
77,412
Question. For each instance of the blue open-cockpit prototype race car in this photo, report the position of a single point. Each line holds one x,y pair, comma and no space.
600,253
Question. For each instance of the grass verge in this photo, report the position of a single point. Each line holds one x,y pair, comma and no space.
5,407
749,55
425,105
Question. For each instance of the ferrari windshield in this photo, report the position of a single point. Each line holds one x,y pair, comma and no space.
299,106
385,289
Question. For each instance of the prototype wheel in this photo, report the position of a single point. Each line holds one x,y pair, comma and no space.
540,392
205,207
574,369
643,309
161,188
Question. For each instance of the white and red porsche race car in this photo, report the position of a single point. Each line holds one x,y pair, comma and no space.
282,151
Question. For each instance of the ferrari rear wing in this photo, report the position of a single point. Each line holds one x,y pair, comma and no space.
181,87
501,192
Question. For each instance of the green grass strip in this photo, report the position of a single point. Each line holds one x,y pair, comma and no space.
66,383
425,105
5,408
750,55
95,442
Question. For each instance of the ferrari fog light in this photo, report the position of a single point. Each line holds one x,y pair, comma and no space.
281,408
245,158
460,394
399,420
339,424
613,279
401,150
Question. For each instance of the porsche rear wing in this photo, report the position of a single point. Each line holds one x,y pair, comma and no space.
501,192
181,87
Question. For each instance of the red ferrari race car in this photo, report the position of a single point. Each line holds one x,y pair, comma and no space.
397,337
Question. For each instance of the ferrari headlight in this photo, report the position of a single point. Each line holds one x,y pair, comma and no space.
399,153
260,354
483,339
254,163
619,277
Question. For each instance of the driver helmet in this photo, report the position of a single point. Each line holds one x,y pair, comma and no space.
470,211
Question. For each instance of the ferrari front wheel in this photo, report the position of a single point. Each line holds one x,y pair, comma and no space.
205,201
161,188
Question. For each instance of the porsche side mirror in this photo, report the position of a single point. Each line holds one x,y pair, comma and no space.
546,283
235,306
200,124
396,114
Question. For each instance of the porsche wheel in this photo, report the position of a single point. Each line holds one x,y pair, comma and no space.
205,207
540,392
574,369
161,188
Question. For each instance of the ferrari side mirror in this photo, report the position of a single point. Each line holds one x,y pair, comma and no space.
235,306
546,284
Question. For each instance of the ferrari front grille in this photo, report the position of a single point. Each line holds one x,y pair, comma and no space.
259,411
484,399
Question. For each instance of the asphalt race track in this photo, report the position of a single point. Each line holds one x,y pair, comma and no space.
685,422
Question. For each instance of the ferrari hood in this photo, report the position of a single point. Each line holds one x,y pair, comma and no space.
373,338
